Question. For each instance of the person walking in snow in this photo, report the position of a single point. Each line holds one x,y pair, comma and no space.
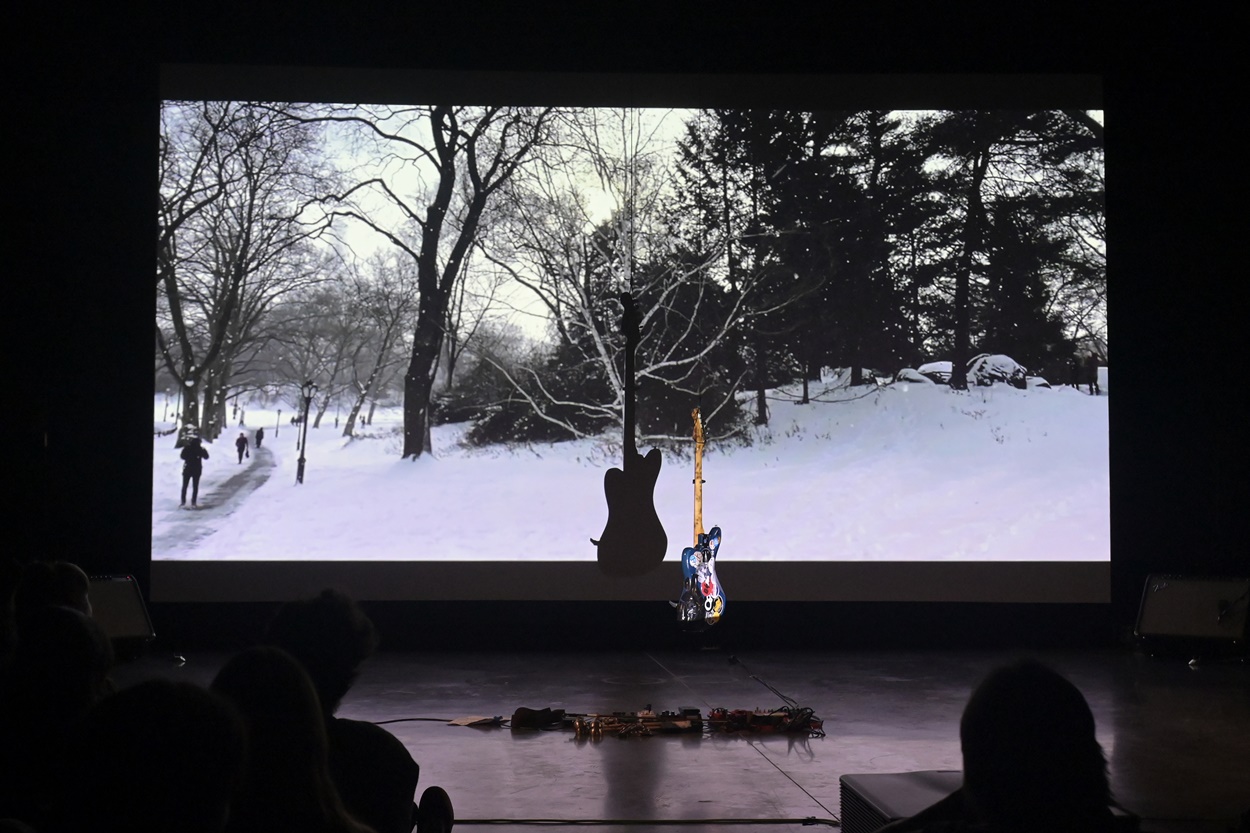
193,456
260,435
1091,374
241,446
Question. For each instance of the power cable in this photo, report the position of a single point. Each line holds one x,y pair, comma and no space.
808,821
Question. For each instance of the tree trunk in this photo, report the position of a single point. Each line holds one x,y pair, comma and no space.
349,424
855,332
812,363
761,377
365,390
963,276
321,411
416,413
448,381
806,342
419,380
208,415
220,421
190,413
434,287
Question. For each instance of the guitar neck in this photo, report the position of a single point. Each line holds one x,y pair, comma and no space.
698,477
631,445
630,326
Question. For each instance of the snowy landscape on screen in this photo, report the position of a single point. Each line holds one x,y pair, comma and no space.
899,472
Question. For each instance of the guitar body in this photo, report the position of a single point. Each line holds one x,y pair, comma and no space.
633,540
702,599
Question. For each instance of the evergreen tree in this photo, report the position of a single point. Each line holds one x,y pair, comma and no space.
816,204
1023,191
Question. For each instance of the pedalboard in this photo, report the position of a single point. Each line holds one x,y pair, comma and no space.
640,723
691,720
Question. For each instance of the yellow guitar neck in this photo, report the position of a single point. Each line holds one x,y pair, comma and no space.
698,476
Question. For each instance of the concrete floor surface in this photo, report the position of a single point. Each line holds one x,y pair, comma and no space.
1177,737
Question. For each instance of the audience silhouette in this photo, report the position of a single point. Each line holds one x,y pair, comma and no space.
46,583
158,757
374,773
262,749
286,784
1031,761
58,671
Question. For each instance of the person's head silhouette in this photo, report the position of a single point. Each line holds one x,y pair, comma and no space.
331,636
52,583
1031,759
287,782
158,756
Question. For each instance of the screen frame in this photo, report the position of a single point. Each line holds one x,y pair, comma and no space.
1050,582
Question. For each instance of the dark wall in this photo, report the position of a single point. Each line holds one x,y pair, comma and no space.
80,291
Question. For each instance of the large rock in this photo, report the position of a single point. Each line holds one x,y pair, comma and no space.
989,368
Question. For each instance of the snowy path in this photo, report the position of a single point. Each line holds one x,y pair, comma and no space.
183,527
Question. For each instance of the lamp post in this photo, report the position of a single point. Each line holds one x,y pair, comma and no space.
307,390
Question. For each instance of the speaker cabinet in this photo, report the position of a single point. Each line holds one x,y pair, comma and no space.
117,607
1194,611
871,801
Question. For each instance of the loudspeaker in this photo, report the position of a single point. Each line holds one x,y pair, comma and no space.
871,801
117,607
1195,610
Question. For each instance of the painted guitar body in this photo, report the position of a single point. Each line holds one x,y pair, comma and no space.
633,540
702,597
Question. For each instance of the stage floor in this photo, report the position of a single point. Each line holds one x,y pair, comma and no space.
1177,737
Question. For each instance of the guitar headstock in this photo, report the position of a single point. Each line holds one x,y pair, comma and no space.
698,427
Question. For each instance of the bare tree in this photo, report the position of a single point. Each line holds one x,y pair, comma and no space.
385,301
221,266
318,336
455,158
195,143
592,218
1076,176
476,312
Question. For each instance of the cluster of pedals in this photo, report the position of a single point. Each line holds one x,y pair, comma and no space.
786,720
636,724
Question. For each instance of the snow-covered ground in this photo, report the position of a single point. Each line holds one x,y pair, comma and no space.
906,472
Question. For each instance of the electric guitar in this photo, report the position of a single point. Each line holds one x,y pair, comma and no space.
702,599
633,541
